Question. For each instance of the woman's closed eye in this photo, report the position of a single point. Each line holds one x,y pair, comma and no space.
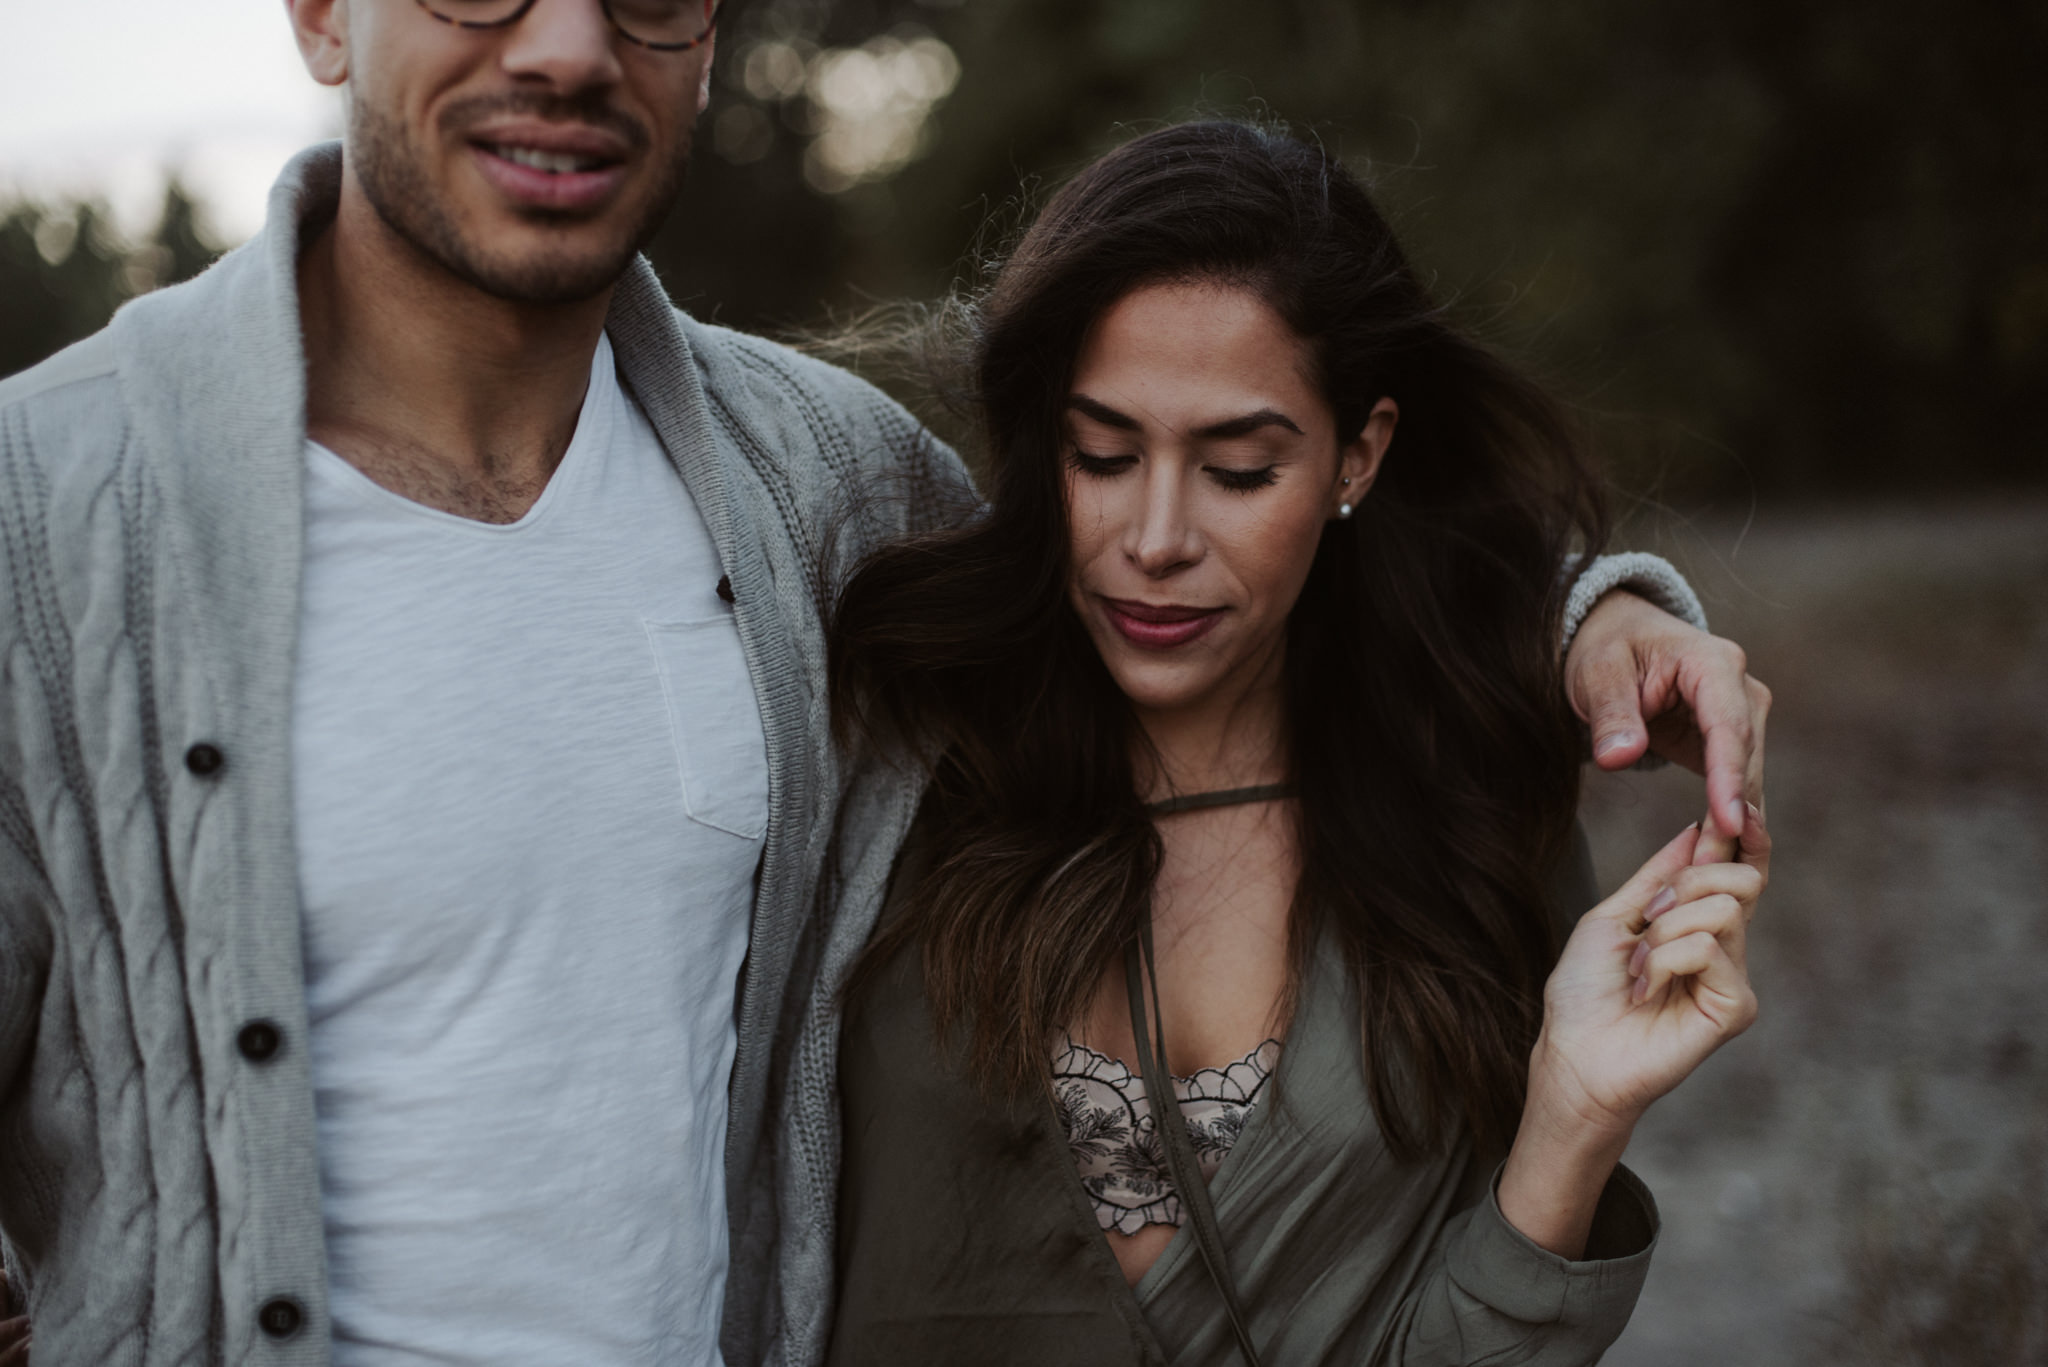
1104,466
1242,481
1099,466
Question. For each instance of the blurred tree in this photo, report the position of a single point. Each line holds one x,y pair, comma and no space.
1788,251
63,270
60,278
1798,251
184,247
1886,262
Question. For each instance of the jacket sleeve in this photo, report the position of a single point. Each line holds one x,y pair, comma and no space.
1649,576
913,483
1492,1296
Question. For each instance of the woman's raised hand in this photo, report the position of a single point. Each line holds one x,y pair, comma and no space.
1652,981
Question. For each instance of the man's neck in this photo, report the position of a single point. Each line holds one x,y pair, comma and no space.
436,390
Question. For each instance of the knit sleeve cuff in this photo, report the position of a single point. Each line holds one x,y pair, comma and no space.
1647,576
1501,1267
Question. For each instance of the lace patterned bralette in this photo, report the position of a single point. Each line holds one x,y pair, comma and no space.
1113,1136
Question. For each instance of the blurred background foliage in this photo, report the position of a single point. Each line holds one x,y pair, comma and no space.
1784,257
64,270
1781,250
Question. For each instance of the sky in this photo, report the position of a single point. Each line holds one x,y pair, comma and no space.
107,97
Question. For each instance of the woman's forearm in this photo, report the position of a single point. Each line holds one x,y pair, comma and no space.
1560,1163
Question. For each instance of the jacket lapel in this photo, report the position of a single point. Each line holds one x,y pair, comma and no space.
213,374
655,357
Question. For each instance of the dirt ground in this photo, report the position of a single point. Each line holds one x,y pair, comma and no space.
1860,1179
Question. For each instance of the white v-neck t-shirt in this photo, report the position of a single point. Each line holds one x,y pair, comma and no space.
530,794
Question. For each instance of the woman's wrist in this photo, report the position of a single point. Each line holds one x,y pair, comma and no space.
1562,1158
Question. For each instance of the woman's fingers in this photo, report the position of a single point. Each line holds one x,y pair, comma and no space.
1719,915
1720,989
1743,874
1714,847
1631,900
1740,881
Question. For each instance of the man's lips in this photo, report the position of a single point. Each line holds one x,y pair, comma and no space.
1159,626
550,166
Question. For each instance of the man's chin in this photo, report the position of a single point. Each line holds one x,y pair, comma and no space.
543,275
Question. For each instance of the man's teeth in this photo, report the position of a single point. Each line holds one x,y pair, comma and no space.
555,163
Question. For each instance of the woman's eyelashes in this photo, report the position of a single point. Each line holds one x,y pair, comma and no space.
1242,481
1101,467
1236,480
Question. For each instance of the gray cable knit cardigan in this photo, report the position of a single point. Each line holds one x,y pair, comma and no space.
159,1188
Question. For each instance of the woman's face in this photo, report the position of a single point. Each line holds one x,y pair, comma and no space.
1201,464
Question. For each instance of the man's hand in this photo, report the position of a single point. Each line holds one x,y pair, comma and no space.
13,1332
1645,681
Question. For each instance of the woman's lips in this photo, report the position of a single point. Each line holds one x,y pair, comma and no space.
534,188
1156,627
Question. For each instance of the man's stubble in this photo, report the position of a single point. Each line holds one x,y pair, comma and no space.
405,198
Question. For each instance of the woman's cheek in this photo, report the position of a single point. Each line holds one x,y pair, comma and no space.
1087,523
1274,557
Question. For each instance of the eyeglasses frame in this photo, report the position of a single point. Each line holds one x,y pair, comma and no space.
526,7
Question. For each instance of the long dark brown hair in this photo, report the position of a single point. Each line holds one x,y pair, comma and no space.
1436,760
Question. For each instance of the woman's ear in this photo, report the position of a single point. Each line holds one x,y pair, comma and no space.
1358,460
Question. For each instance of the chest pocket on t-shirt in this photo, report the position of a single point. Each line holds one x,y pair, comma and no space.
720,747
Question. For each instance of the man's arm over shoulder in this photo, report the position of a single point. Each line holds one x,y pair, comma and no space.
864,470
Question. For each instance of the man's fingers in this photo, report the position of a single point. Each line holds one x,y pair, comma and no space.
1759,713
1716,688
1673,737
14,1338
14,1333
1755,849
1612,704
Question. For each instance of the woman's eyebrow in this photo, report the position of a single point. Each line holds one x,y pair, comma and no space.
1101,412
1246,425
1215,431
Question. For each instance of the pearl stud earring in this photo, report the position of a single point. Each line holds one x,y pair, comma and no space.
1343,510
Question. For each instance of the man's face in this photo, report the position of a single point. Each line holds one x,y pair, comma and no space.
531,160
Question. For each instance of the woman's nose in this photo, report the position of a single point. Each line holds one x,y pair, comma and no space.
1161,536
